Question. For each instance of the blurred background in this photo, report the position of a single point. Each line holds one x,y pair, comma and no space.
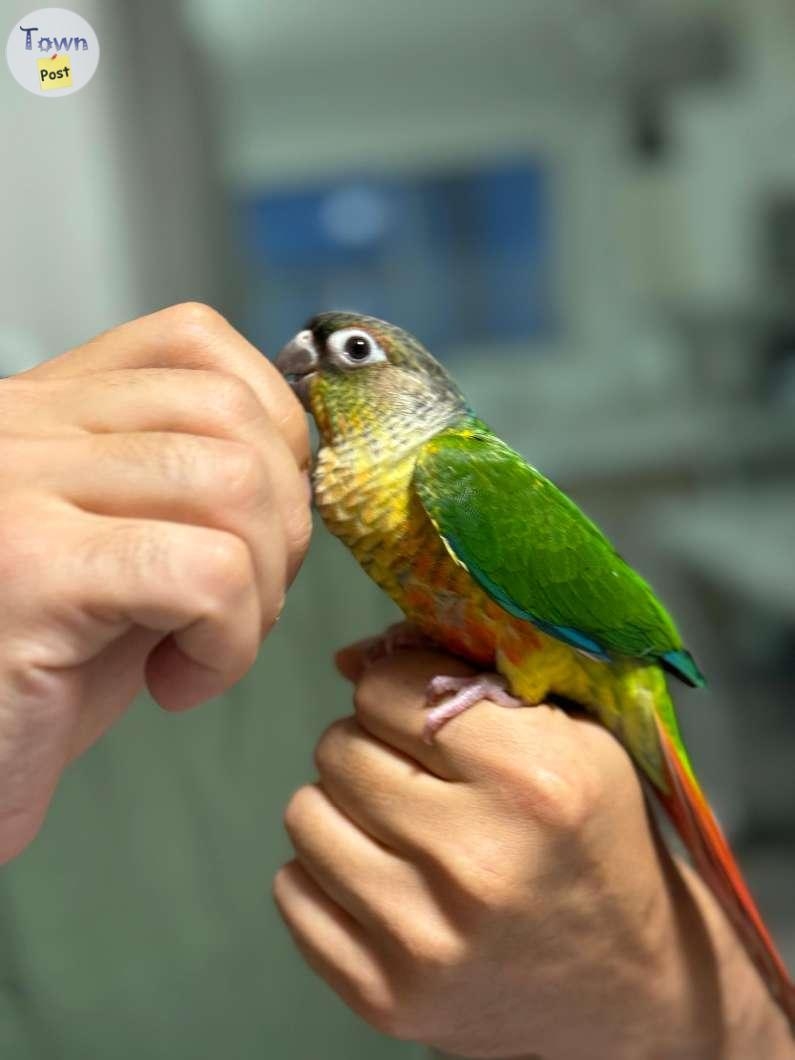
587,209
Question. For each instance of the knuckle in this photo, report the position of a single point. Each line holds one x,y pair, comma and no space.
178,460
118,548
195,321
175,457
298,809
241,473
388,680
562,803
377,1006
232,399
559,790
235,473
430,948
331,747
280,884
225,569
131,550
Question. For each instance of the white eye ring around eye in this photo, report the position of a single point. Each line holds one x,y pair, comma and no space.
354,348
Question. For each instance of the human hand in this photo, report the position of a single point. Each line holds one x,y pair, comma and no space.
501,892
153,510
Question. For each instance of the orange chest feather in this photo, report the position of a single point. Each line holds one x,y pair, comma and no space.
373,508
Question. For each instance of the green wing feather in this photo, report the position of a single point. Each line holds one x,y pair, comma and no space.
533,550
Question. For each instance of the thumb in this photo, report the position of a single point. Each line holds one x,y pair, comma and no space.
354,659
401,636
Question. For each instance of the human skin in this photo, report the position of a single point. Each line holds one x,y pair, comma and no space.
153,510
501,892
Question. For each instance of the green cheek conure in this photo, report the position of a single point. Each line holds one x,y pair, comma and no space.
492,562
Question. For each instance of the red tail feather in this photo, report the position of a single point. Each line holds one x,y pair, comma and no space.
700,832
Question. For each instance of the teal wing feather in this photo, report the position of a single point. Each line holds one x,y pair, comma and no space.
534,552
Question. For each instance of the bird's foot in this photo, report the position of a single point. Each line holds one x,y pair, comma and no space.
462,693
402,636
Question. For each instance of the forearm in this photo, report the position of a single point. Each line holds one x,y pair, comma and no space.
722,997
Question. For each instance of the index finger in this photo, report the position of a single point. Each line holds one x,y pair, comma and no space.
190,335
391,704
487,744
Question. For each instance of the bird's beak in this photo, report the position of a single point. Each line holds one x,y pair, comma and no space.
298,362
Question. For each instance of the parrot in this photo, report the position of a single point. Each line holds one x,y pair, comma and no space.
490,561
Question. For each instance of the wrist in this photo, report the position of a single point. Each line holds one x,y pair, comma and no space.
718,1006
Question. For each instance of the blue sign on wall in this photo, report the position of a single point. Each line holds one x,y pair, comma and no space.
457,258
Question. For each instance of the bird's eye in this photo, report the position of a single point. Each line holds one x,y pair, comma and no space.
353,348
357,347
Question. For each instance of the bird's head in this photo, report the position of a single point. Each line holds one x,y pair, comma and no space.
358,375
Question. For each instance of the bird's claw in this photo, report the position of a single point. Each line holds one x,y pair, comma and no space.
463,693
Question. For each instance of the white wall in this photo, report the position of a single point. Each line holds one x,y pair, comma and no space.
105,209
